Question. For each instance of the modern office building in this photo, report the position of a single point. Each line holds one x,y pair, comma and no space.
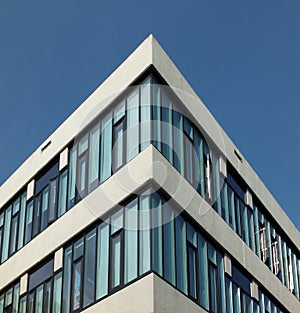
140,202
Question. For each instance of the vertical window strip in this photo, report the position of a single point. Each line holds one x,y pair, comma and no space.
145,106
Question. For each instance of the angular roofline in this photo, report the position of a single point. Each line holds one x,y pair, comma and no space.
149,53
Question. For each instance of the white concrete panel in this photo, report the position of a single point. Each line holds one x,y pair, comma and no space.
58,259
23,284
30,189
136,298
63,159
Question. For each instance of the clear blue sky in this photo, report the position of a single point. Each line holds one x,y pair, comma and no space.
242,58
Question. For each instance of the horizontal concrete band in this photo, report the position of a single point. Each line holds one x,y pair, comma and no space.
149,166
148,53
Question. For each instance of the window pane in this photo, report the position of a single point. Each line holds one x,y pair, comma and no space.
72,176
53,200
89,268
169,243
156,117
178,142
157,234
145,113
167,138
23,302
118,144
203,272
31,303
1,303
83,144
82,176
47,297
102,260
45,201
251,230
22,221
117,221
29,216
94,154
192,271
13,234
37,215
62,197
77,283
78,248
57,289
188,159
132,131
116,261
198,146
39,299
106,148
181,256
6,238
15,308
144,233
229,307
67,280
212,287
231,203
131,241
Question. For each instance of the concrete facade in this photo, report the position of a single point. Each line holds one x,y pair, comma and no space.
150,293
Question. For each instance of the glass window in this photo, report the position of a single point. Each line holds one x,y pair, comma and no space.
6,239
192,270
30,305
166,128
57,289
15,308
231,210
94,154
72,176
132,131
23,303
13,233
77,285
181,254
229,307
169,243
83,144
47,297
178,154
118,144
102,260
156,211
145,113
29,217
78,249
131,241
245,231
106,148
89,268
119,111
67,280
213,291
144,228
117,221
37,216
82,176
22,222
39,299
62,197
116,261
156,117
203,272
52,200
198,146
236,299
251,230
1,303
45,201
